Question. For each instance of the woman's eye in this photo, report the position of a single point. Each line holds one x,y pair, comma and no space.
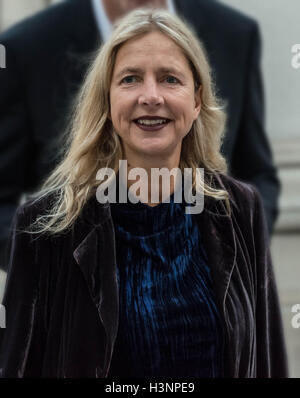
172,78
133,79
128,79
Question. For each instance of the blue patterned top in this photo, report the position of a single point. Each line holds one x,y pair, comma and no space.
169,325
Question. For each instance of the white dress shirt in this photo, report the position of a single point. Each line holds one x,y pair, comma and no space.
104,24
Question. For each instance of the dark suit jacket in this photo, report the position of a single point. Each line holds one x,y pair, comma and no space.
47,56
62,293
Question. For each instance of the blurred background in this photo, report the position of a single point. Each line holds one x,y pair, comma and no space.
280,28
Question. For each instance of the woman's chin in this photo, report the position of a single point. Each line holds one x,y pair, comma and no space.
155,146
156,150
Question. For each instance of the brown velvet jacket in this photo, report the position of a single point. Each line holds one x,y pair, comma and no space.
61,296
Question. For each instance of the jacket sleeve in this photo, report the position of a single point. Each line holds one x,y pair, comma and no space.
22,340
271,348
252,157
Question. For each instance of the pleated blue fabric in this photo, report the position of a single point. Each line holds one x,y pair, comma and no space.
169,325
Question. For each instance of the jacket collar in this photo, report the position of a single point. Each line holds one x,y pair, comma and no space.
95,256
220,244
89,249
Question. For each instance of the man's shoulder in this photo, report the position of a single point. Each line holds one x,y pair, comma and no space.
212,15
41,26
225,14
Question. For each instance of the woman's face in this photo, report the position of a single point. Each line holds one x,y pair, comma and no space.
152,79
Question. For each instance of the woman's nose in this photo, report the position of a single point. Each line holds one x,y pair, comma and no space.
150,95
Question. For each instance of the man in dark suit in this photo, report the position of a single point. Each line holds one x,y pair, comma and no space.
47,56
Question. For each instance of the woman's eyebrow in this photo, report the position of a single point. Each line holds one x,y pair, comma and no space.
140,71
129,70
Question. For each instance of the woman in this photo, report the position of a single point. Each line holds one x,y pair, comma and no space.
143,289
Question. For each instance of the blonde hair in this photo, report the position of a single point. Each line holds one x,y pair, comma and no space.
92,142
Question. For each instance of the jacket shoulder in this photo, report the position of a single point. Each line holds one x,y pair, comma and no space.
39,27
236,184
242,194
90,216
246,205
226,15
30,210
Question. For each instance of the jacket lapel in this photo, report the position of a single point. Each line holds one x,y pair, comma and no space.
219,240
95,256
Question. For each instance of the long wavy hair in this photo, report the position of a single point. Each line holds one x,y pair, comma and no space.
91,141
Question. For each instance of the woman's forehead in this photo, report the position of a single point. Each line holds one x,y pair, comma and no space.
163,68
152,49
154,40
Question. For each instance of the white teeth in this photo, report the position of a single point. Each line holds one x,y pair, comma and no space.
151,122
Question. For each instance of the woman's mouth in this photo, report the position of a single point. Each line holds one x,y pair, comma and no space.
151,125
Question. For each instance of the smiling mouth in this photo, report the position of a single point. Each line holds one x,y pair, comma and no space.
151,122
152,126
